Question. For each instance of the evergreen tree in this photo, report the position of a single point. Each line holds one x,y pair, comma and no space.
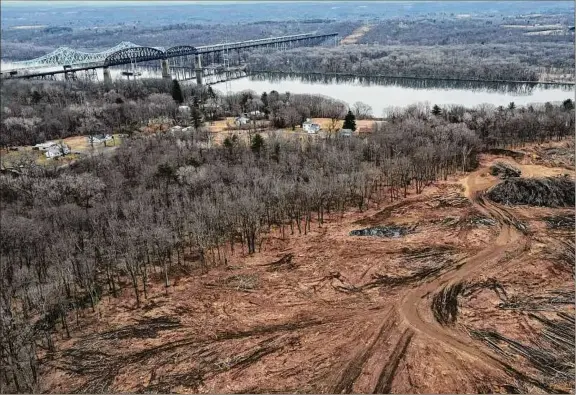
177,92
436,110
349,121
36,97
511,106
276,155
196,117
264,99
568,104
211,94
257,144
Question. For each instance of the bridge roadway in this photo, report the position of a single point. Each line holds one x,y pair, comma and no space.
71,60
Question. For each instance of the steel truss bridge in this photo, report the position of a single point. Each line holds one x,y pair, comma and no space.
66,60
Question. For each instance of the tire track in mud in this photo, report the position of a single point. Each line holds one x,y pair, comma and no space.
387,374
413,305
354,367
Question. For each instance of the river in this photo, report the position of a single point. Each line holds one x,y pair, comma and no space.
380,93
383,93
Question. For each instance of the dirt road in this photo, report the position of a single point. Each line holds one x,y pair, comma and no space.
415,305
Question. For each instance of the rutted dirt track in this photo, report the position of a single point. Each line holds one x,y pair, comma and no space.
415,308
334,313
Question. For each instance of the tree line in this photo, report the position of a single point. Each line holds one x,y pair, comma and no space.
518,62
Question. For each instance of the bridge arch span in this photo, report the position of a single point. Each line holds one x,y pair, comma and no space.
136,54
181,50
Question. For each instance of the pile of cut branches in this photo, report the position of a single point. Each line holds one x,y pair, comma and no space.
504,170
453,199
560,221
548,192
445,303
282,264
392,231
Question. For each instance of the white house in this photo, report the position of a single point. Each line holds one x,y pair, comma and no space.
57,150
241,120
255,114
309,127
44,146
346,132
184,110
100,138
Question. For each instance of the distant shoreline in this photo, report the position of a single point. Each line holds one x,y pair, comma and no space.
251,72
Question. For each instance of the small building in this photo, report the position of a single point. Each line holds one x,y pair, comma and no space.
345,132
57,150
99,138
255,114
241,120
184,110
310,127
44,146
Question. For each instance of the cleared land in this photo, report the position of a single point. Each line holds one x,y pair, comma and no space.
79,146
356,35
476,297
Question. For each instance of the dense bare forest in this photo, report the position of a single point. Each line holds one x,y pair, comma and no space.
74,234
514,62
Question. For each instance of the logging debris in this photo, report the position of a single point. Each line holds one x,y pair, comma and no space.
391,231
453,199
551,301
547,191
144,329
506,152
282,264
504,170
553,352
445,303
565,221
428,261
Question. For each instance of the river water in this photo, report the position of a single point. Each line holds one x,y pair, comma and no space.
383,93
380,93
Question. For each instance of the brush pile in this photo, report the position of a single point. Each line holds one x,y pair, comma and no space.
552,354
547,192
392,231
561,221
504,170
453,199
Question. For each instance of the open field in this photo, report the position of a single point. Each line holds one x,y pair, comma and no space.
476,297
221,129
78,146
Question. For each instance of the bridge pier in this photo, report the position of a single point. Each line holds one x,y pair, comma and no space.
107,76
198,69
165,68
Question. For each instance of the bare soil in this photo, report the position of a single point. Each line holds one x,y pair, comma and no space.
478,299
356,35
